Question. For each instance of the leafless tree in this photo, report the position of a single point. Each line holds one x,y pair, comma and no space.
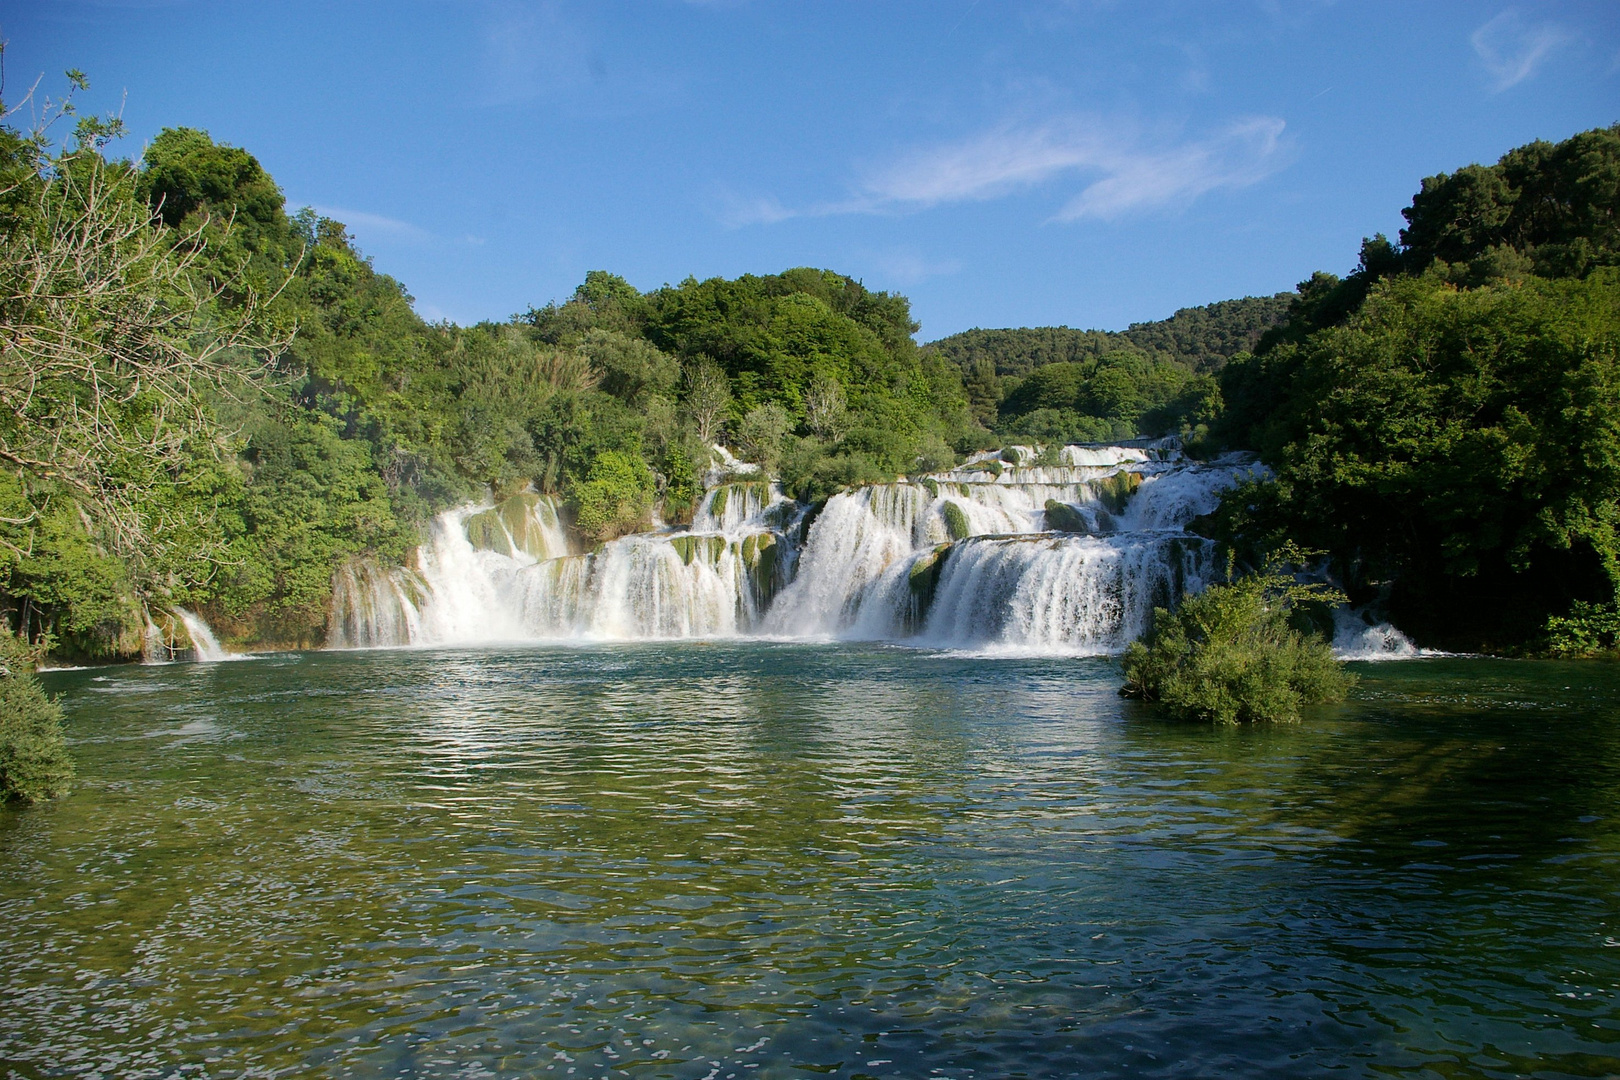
824,407
708,398
113,341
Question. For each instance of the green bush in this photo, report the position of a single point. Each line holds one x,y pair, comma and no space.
615,496
34,760
1234,654
1588,630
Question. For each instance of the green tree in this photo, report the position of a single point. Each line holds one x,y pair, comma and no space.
1235,653
1458,447
615,496
34,761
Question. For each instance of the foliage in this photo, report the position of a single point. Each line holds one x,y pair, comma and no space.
1234,653
615,496
708,399
1446,420
34,761
759,436
1461,444
1554,204
113,345
311,500
1200,338
1588,630
1054,384
1119,395
1205,338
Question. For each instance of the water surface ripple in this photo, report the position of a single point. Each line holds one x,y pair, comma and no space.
757,860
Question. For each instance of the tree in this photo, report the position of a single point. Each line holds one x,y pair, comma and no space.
34,759
111,347
1234,654
1456,449
708,399
759,436
824,407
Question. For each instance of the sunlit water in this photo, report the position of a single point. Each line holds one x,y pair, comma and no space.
756,860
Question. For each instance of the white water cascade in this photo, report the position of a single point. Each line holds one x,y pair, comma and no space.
192,639
1046,558
1066,552
204,644
474,582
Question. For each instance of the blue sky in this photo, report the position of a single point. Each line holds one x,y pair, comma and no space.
1001,162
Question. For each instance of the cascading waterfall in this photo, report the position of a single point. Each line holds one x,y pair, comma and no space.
979,564
204,645
191,639
1060,552
474,582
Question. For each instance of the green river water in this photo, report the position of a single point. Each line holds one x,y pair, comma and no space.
738,860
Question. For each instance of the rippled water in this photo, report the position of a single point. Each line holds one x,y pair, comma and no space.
755,860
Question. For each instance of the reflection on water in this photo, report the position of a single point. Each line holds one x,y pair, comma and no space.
757,860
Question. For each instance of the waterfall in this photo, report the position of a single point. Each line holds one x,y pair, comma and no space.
475,584
1357,637
166,642
1062,552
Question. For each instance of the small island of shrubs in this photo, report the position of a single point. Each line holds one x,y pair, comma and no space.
1240,652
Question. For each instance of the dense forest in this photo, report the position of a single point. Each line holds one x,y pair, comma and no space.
1445,421
213,402
1052,383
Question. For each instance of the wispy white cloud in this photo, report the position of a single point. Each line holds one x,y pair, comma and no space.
908,268
1242,154
376,224
1131,175
736,211
1512,49
984,166
1127,172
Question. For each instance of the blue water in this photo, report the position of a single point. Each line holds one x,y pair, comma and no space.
757,860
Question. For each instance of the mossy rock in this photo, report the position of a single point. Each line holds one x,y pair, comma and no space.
993,467
758,548
510,527
1116,489
922,580
484,533
1011,456
706,548
1061,517
932,485
956,521
759,557
717,505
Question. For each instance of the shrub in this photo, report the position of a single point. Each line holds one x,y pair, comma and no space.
759,436
934,454
34,760
1061,517
1234,653
615,496
1588,630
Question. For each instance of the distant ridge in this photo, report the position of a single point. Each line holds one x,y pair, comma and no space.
1201,338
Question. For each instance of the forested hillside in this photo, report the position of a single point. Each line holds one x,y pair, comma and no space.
210,402
288,411
1052,383
1445,421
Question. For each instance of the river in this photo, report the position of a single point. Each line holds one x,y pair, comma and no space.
750,858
